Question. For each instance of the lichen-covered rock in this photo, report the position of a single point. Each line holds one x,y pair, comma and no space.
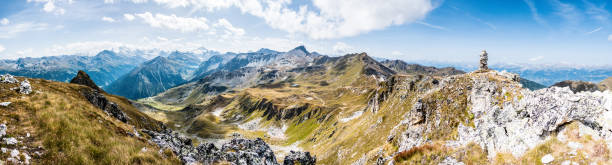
301,158
7,78
236,151
25,87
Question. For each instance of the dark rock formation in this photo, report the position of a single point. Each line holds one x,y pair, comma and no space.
83,79
579,86
99,100
301,158
236,151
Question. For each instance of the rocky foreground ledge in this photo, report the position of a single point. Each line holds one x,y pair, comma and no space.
237,151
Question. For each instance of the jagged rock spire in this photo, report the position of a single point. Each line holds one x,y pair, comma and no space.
83,79
484,60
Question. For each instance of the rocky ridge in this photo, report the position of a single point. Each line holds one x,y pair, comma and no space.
236,151
504,118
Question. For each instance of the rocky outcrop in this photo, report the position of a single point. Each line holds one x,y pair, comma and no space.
25,87
579,86
7,78
236,151
99,100
95,96
502,117
301,158
83,79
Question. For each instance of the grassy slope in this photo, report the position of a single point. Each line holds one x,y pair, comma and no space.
607,83
70,130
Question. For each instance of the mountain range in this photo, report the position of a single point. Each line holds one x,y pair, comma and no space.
104,68
303,107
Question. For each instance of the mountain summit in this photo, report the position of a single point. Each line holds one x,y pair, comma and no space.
83,79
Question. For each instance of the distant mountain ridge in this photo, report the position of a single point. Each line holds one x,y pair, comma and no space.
158,75
104,68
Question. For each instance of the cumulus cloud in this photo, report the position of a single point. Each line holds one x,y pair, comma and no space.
330,19
108,19
228,28
610,37
342,48
183,24
4,21
2,48
50,6
129,17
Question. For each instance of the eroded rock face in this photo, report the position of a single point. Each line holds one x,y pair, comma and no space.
99,100
236,151
509,119
522,123
301,158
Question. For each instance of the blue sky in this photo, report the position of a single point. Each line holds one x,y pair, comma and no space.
512,31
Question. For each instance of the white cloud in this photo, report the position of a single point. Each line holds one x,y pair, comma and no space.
128,17
538,58
610,37
50,6
431,26
183,24
396,53
4,21
341,48
534,12
330,19
568,12
228,28
108,19
598,13
14,29
2,48
162,38
594,30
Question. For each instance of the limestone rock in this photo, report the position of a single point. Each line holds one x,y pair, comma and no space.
10,141
547,159
5,104
25,87
7,78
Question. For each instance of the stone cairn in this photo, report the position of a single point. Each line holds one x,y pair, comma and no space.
484,60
